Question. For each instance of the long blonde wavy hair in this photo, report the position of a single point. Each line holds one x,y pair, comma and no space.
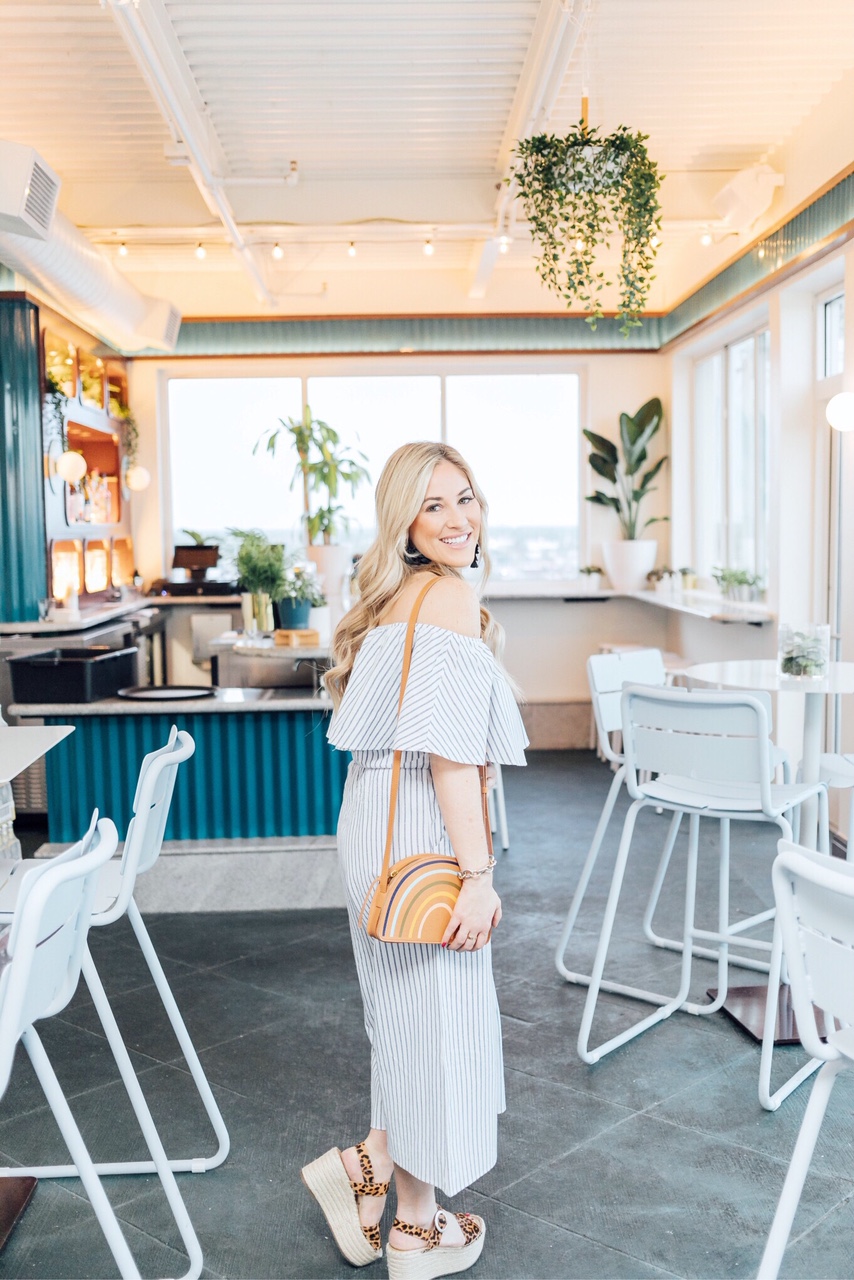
383,569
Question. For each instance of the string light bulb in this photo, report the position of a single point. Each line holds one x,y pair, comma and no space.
706,239
428,248
351,249
579,246
654,241
123,250
760,252
278,252
201,251
504,244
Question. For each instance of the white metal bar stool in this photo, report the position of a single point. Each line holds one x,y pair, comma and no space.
712,755
815,932
45,945
114,898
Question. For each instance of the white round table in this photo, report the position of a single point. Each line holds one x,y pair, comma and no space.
765,675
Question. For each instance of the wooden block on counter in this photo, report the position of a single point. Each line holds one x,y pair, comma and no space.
303,639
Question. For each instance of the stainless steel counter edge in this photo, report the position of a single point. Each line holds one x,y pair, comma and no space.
224,701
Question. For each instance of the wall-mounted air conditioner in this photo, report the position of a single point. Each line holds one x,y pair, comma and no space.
28,191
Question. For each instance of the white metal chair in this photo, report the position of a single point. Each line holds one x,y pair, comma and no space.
712,755
606,675
498,809
114,898
45,945
815,932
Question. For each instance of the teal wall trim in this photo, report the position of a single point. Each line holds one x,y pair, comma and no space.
253,774
828,216
819,222
23,553
390,334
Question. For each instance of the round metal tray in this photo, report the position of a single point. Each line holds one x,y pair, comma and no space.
166,692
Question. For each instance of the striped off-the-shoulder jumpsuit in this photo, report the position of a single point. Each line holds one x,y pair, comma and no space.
431,1014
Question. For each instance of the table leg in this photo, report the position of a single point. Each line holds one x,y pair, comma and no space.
811,765
746,1005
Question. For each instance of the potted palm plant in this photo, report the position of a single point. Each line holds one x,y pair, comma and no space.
629,560
261,570
324,466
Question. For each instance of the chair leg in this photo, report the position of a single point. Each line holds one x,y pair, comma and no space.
798,1168
667,1005
658,883
191,1164
83,1165
771,1101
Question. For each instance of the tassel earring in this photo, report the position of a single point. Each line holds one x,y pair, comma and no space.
413,556
476,561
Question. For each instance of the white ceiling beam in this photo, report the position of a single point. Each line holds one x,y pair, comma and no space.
557,29
153,44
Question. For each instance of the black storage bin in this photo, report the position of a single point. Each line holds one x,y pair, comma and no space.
72,675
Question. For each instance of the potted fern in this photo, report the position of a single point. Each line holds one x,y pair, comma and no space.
629,560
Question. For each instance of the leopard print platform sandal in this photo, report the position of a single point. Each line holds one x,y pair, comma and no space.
436,1259
338,1197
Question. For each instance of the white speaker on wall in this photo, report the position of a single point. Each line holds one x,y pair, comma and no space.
28,191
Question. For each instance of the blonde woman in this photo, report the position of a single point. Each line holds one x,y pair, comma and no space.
431,1012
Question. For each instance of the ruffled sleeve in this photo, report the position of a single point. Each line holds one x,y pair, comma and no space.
457,704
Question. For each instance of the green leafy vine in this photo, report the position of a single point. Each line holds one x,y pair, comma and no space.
580,191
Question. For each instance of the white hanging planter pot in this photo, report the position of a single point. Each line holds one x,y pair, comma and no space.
628,561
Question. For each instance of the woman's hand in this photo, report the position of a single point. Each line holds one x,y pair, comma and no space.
478,911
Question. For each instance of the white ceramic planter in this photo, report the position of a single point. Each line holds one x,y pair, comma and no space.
628,561
333,566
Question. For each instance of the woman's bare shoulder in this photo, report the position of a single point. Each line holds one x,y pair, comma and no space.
452,604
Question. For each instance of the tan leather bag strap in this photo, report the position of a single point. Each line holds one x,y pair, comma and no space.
395,772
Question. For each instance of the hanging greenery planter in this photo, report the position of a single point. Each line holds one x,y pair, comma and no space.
577,193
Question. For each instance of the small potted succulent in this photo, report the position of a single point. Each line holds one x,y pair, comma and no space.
301,593
804,651
591,578
739,584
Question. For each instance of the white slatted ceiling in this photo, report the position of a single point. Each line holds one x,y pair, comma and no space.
391,87
70,88
715,83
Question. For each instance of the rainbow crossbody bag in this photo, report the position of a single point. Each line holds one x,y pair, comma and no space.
414,899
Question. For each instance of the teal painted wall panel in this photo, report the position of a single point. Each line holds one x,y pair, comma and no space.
23,554
252,774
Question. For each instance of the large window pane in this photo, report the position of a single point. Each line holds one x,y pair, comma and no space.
834,336
709,511
519,433
375,415
216,480
741,455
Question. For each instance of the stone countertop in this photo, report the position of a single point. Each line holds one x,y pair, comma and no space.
237,642
221,701
92,616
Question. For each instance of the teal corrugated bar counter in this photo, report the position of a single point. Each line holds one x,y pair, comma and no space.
260,769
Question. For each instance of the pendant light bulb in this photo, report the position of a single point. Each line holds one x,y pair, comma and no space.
278,252
123,250
201,251
71,466
351,250
706,239
840,411
428,248
137,478
504,244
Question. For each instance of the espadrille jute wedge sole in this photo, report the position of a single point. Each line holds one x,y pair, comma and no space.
436,1259
327,1180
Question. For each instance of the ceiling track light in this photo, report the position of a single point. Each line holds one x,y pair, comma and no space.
277,251
429,249
351,249
201,251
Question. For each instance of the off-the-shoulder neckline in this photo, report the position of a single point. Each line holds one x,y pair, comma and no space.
434,626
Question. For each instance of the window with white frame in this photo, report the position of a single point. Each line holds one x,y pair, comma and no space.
218,482
831,334
731,456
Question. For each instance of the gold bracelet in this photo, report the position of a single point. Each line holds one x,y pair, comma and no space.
482,871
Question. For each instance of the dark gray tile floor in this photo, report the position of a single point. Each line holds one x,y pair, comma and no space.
658,1161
